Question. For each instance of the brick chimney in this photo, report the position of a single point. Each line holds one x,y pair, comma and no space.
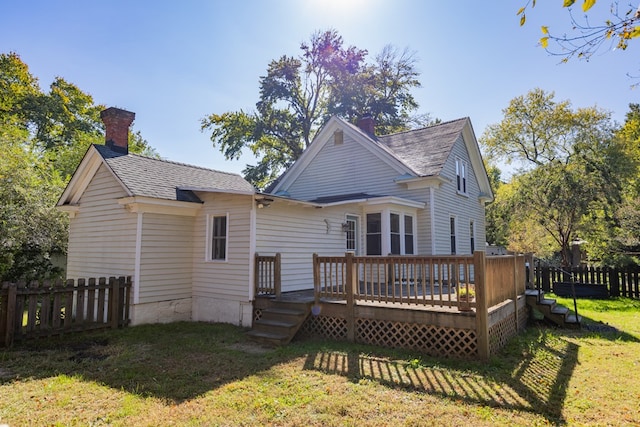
367,124
116,123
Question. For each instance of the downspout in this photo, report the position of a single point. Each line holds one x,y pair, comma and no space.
138,257
252,249
432,214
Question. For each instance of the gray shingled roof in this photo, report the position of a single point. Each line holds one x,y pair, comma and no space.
162,179
425,150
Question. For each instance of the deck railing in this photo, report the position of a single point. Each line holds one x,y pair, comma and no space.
267,275
429,281
415,280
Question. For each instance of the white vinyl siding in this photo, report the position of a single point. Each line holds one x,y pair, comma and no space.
228,280
102,236
297,233
346,168
166,257
465,207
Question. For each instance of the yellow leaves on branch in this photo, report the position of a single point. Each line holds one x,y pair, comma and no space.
586,5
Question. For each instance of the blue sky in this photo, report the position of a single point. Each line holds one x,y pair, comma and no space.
173,63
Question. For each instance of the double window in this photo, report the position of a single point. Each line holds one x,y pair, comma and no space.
400,238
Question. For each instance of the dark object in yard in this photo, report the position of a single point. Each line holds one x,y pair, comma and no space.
583,290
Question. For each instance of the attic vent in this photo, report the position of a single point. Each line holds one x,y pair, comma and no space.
338,137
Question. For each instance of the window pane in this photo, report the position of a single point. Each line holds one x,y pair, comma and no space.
408,235
351,234
219,238
374,234
395,223
452,226
395,244
408,244
374,244
374,223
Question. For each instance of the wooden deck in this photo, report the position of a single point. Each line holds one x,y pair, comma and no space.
399,302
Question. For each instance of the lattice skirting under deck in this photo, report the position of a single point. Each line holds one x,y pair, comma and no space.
429,339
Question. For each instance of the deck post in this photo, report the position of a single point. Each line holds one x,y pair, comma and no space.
350,289
482,311
277,271
316,280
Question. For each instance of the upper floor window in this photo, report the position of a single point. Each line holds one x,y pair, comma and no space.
461,176
219,238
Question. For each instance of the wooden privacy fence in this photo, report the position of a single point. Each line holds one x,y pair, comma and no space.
423,281
623,282
51,308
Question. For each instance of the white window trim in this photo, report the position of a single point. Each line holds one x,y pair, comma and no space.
385,215
209,236
358,236
462,171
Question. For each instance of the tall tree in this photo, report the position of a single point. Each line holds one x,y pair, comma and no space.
572,177
537,130
43,137
298,94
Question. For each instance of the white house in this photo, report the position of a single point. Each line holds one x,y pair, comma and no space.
188,235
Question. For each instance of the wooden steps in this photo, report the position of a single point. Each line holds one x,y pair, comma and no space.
551,311
280,321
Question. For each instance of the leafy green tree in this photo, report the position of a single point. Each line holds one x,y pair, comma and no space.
574,172
43,137
298,94
537,130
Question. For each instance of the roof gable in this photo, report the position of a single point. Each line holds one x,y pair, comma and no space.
324,137
149,177
418,153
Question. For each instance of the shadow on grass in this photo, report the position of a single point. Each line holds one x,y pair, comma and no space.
532,375
174,362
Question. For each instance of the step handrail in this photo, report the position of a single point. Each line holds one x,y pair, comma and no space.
573,292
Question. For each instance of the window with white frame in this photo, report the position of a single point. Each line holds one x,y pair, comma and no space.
394,235
408,235
452,232
461,176
374,234
218,238
352,233
397,238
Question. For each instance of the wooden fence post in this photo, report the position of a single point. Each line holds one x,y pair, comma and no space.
614,282
114,301
11,314
482,311
350,289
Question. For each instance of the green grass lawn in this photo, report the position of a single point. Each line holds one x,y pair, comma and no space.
210,374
